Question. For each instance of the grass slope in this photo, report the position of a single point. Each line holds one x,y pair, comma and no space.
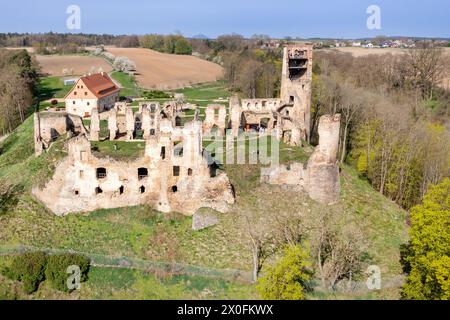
128,85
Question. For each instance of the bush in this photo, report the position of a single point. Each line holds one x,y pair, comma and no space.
427,258
287,280
156,94
29,268
56,271
182,46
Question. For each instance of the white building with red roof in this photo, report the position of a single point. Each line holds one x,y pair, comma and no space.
96,90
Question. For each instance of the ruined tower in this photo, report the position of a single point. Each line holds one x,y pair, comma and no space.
296,82
323,165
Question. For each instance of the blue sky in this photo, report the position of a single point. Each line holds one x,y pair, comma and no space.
277,18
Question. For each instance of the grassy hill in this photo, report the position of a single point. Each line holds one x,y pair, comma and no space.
145,235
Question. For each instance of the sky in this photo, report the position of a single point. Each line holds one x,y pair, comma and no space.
276,18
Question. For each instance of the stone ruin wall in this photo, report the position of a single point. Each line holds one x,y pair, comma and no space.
319,177
174,181
215,116
290,114
49,125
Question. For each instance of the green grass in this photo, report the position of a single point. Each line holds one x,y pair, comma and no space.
120,150
127,82
206,91
122,283
52,87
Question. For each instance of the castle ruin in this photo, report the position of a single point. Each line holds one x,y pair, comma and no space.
175,172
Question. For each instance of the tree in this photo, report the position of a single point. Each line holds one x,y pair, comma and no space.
128,42
429,250
287,280
338,246
182,46
425,67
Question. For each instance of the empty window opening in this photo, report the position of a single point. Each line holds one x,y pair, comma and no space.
142,190
76,192
190,172
176,171
291,99
152,132
98,190
142,173
174,189
297,73
178,122
121,189
177,149
101,173
163,153
213,170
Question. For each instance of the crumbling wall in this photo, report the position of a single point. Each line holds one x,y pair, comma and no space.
215,115
323,166
320,175
49,125
95,125
162,178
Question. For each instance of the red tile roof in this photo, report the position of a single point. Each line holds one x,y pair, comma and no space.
100,84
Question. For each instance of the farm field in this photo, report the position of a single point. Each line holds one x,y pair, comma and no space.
55,64
163,71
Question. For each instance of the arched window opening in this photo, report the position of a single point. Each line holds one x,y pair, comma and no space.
101,173
142,173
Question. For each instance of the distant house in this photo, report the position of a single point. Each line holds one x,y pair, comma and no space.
356,44
368,45
96,90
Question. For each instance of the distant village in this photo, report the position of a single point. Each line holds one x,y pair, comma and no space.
378,42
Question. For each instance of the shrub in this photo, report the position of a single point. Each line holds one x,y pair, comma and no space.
29,268
56,271
182,46
427,258
156,94
287,280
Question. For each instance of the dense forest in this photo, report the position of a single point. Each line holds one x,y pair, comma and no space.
18,81
59,43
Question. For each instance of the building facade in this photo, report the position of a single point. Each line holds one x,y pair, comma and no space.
92,91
